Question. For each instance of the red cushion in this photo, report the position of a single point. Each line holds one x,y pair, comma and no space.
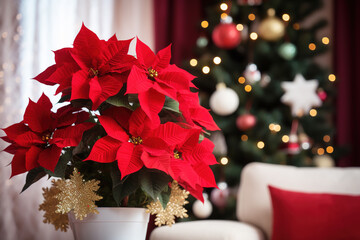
314,216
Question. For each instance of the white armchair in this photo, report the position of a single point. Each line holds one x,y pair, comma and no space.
254,208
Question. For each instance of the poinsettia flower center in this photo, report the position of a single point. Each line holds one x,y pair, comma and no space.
93,72
152,73
136,140
46,137
177,154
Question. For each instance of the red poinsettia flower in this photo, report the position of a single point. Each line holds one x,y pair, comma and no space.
129,137
154,78
193,112
188,162
104,67
39,138
93,69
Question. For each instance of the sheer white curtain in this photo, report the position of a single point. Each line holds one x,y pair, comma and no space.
29,30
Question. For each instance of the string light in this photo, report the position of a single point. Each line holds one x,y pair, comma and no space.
305,145
223,16
329,149
312,46
240,27
313,112
320,151
224,160
206,69
248,88
204,24
4,35
277,128
16,37
217,60
223,6
253,36
274,127
193,62
244,137
325,40
286,17
251,17
332,78
326,138
241,80
296,26
260,144
285,138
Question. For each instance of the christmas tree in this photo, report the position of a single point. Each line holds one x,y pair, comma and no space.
257,74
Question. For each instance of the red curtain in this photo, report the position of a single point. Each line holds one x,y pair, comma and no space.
347,69
177,21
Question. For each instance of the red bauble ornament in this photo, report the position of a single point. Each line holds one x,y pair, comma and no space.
246,122
293,148
225,35
322,95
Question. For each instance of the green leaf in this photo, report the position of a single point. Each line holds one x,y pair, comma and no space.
164,197
154,182
64,98
171,105
33,176
119,101
62,164
123,188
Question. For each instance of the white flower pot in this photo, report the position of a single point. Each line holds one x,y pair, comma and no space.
111,224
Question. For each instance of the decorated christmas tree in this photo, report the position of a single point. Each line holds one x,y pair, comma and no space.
272,101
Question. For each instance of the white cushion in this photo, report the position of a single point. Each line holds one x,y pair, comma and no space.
208,230
254,202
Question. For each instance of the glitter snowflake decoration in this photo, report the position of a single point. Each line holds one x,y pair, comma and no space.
174,208
78,195
49,206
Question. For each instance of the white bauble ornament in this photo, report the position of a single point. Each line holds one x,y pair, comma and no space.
219,141
202,210
324,161
219,197
252,74
224,101
265,80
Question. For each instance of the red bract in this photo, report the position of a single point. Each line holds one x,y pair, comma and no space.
130,140
193,112
154,78
61,72
39,138
188,162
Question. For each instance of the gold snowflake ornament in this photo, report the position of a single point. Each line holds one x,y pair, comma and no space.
49,206
78,195
174,208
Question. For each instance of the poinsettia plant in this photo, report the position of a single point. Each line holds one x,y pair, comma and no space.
133,124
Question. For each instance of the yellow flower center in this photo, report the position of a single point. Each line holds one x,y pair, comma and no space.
93,72
177,154
136,140
152,73
46,137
